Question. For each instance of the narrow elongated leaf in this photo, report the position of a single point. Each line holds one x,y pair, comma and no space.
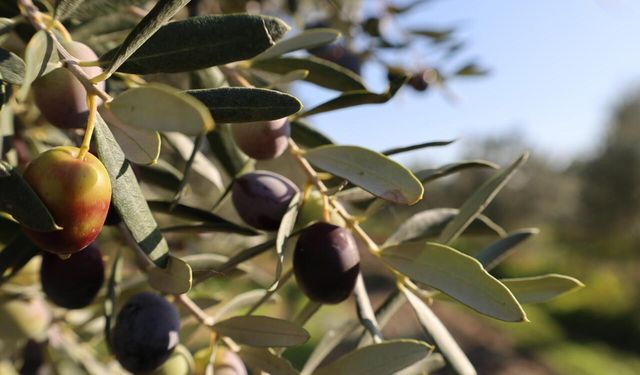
356,98
65,7
430,223
399,150
378,359
307,136
369,170
90,9
209,228
284,231
322,72
495,253
428,175
163,108
20,201
175,278
15,255
437,36
327,343
201,165
157,175
479,200
113,291
11,67
145,29
140,146
38,53
238,302
201,42
365,312
305,40
243,104
127,197
445,343
471,70
192,213
266,361
457,275
262,331
542,288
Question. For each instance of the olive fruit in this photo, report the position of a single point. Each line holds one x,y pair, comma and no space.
419,81
261,198
312,210
326,262
72,283
262,140
77,193
146,332
226,362
60,96
179,363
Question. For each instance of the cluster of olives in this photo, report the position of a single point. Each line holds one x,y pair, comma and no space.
326,259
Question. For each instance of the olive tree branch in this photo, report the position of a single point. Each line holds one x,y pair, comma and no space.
35,17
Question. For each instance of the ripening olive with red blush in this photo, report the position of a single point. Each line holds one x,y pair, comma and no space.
146,332
326,263
261,198
262,140
72,283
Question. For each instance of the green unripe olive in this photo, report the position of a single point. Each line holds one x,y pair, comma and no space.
312,210
326,262
226,362
264,139
60,96
180,363
76,192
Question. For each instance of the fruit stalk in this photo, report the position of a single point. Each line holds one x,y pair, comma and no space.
91,123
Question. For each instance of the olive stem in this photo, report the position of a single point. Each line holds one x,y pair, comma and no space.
33,14
195,310
365,312
91,124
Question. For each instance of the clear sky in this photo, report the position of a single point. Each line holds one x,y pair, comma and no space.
557,69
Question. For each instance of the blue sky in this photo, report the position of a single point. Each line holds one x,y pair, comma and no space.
557,69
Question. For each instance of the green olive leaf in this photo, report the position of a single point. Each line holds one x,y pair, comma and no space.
266,361
307,136
15,255
65,7
140,146
262,331
307,39
457,275
175,278
378,359
369,170
243,104
496,252
12,68
284,231
162,108
38,54
538,289
200,42
322,72
427,175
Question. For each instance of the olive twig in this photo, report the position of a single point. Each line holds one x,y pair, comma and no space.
34,16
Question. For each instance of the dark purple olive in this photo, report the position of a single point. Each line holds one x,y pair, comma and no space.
146,332
74,282
32,358
261,198
419,81
326,263
339,54
262,140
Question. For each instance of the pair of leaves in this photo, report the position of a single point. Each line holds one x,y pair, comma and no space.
194,43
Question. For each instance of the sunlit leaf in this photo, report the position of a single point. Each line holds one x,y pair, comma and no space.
457,275
398,150
437,36
11,67
370,170
201,42
22,203
266,361
540,289
163,108
284,231
321,72
445,343
305,40
243,104
480,199
39,52
140,146
378,359
262,331
175,278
